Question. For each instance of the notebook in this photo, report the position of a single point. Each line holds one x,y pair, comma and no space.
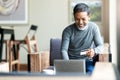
70,66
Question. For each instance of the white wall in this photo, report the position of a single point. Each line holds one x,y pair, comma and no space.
51,16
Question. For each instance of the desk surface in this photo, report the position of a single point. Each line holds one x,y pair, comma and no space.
102,71
105,71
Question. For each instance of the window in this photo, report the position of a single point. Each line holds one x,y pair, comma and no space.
95,6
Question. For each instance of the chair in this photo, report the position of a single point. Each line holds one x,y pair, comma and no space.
13,55
30,39
3,32
106,56
34,58
55,44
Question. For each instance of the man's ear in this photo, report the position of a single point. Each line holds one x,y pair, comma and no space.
88,17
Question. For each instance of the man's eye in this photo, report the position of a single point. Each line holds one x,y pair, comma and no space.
77,19
83,19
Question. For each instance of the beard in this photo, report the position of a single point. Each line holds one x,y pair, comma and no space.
81,27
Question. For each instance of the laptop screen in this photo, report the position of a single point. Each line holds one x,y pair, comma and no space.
70,66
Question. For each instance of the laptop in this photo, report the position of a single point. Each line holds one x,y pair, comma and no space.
70,66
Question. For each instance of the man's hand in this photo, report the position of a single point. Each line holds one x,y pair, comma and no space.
90,52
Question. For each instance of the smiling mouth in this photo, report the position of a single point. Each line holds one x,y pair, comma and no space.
80,26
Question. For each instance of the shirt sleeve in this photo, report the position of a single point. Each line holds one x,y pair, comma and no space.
65,44
98,41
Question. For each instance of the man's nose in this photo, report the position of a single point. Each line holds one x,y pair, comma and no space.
80,22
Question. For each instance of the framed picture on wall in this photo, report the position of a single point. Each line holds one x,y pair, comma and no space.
95,6
13,12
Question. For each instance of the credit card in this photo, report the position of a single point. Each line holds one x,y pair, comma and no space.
83,52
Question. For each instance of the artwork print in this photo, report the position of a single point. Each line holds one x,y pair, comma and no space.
13,11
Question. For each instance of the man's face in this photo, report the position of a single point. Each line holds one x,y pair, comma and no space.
81,19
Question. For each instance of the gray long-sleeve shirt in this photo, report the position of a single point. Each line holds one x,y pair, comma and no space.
75,40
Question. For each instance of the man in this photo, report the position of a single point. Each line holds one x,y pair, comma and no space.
80,36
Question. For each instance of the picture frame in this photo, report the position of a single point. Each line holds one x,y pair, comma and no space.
15,12
95,6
